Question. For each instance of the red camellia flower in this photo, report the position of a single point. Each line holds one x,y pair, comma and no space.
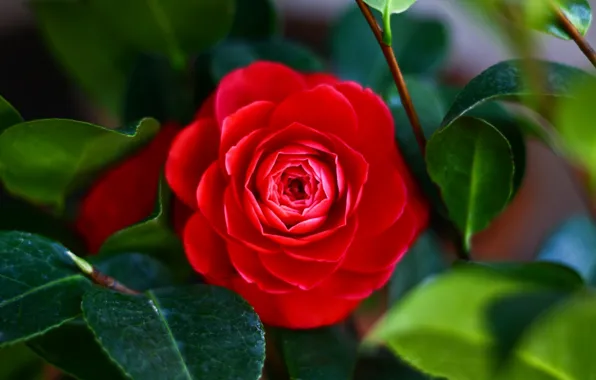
303,204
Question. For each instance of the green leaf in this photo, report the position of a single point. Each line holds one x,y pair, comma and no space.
572,244
442,327
472,163
255,19
72,348
390,6
18,362
548,275
134,270
8,115
505,80
44,160
40,288
323,353
236,54
175,28
420,44
578,12
380,364
153,236
425,258
96,58
199,332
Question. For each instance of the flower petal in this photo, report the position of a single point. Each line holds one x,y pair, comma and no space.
193,150
315,79
303,274
242,122
354,285
210,197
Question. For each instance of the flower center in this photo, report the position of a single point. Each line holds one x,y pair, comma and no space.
295,189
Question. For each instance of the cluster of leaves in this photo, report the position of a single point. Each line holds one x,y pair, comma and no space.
474,320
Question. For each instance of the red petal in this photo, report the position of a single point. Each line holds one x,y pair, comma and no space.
207,110
259,81
315,79
377,253
296,310
300,273
126,193
210,197
193,150
241,123
323,108
247,263
356,286
206,251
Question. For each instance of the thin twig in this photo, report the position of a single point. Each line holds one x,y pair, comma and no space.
397,75
576,36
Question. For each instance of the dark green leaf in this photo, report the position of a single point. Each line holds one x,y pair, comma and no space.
549,275
390,6
154,236
175,28
420,45
472,163
324,353
425,258
8,115
380,364
505,79
255,19
72,348
442,328
40,288
200,332
235,54
576,11
18,362
90,51
136,271
573,244
43,160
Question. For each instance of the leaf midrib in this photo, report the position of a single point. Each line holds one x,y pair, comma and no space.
472,192
39,288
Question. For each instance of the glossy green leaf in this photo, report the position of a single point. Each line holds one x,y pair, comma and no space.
574,122
423,260
18,362
96,58
199,332
8,115
317,354
44,160
573,244
505,80
73,349
255,19
472,163
420,45
175,28
40,288
235,54
390,6
153,236
443,327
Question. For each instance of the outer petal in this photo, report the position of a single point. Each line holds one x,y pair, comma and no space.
206,251
315,79
303,274
259,81
356,286
193,150
323,108
297,310
210,198
244,121
126,193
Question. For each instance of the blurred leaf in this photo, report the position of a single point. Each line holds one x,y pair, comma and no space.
153,236
98,59
40,288
472,163
175,28
236,54
548,275
44,160
425,258
255,19
420,45
380,364
390,6
8,115
199,332
18,362
573,244
323,353
442,328
73,349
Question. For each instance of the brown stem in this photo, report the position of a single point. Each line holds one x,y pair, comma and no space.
575,35
397,75
110,283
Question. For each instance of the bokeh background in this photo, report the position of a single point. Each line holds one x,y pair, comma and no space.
36,85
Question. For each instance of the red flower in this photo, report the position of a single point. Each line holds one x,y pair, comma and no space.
126,194
303,203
